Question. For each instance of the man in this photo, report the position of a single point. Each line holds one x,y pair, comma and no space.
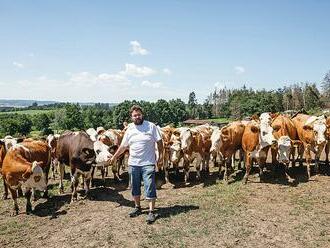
140,137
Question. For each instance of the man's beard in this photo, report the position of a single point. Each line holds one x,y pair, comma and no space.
138,121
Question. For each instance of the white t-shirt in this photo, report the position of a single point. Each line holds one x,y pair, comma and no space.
141,142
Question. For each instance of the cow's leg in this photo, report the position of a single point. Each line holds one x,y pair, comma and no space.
92,175
226,164
207,163
198,166
87,182
317,158
115,171
46,171
28,194
301,154
74,185
293,154
274,152
290,180
5,190
166,166
308,160
241,158
186,165
248,164
102,174
61,167
327,151
13,193
20,191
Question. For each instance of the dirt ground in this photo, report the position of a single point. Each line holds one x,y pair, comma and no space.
203,214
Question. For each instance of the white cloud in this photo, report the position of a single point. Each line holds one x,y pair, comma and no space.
219,85
167,71
18,65
239,69
136,71
136,48
87,78
31,55
149,84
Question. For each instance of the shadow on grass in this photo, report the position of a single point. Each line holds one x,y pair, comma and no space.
166,212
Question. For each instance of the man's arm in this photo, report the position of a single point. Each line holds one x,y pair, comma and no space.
119,152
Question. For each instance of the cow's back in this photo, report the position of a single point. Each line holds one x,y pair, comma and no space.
250,138
39,151
305,135
287,127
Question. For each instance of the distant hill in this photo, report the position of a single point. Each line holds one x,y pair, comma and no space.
22,103
26,103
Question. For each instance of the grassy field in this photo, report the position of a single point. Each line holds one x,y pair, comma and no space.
202,214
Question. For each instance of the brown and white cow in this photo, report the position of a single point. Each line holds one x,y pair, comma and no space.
5,144
256,140
312,132
26,164
112,138
287,137
227,141
76,149
195,144
166,133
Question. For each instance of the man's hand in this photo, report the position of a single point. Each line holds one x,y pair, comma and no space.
112,160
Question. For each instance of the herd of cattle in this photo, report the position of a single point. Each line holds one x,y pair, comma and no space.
27,162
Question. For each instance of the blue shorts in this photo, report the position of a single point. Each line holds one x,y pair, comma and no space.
147,174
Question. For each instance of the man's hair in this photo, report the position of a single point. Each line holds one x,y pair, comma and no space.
135,108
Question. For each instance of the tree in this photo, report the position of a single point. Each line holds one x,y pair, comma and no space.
73,117
325,85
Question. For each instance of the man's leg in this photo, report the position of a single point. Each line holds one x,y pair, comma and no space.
148,175
136,175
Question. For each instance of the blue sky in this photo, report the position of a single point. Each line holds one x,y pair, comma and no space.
109,51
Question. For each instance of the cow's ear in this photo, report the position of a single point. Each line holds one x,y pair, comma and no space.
225,131
2,142
276,127
254,129
307,127
274,115
176,133
26,175
255,117
296,143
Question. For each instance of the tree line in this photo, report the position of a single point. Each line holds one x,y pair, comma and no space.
227,103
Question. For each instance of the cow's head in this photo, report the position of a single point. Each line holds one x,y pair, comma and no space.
34,177
215,142
175,148
84,159
186,137
266,131
103,152
285,146
318,126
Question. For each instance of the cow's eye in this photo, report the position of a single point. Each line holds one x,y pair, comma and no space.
98,151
